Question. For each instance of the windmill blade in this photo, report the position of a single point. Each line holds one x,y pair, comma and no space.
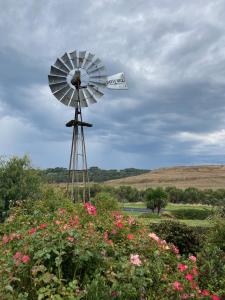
99,69
89,97
74,100
83,102
65,58
94,65
67,97
60,65
81,58
94,92
100,77
88,59
56,79
99,84
73,56
56,71
57,86
59,94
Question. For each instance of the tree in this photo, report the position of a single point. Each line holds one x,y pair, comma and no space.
18,180
156,199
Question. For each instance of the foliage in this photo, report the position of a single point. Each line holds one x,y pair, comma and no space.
18,181
191,213
83,252
156,199
217,234
58,175
105,202
211,265
127,193
186,238
194,195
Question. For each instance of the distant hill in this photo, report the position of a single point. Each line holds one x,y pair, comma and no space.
201,177
60,175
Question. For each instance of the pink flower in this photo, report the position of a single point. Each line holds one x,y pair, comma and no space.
114,231
130,236
70,239
119,224
57,222
114,294
194,271
175,250
61,211
91,209
215,297
193,258
130,220
182,267
106,236
184,296
25,259
17,255
135,260
32,231
42,226
5,239
177,286
189,277
205,293
154,236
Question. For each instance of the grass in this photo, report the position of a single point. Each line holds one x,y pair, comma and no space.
169,207
201,223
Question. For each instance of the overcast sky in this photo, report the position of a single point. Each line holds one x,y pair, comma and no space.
173,56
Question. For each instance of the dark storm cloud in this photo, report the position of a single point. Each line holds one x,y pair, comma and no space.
173,55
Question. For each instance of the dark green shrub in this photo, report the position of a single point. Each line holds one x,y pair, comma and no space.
186,238
211,268
105,202
191,213
217,233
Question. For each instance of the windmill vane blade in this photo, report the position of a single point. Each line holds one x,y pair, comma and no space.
67,97
57,86
56,79
60,65
65,58
56,71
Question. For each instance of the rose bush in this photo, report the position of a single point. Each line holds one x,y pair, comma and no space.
78,252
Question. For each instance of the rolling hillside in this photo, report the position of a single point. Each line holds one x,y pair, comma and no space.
202,177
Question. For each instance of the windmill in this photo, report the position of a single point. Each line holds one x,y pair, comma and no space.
76,80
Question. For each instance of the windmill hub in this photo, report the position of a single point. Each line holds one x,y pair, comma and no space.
76,79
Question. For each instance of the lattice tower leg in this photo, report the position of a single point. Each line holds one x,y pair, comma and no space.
78,181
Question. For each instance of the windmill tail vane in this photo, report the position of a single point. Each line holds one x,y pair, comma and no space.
76,79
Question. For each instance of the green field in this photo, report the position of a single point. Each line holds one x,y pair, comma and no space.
170,207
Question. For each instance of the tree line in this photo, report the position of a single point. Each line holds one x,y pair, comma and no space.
60,175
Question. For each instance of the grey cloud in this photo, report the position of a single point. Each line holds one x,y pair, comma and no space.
172,53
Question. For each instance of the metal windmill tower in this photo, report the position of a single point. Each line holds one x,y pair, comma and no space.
75,80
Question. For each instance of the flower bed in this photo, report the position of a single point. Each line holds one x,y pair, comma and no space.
89,253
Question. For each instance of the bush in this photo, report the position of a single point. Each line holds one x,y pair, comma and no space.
217,233
18,181
105,202
186,238
191,213
211,267
75,253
